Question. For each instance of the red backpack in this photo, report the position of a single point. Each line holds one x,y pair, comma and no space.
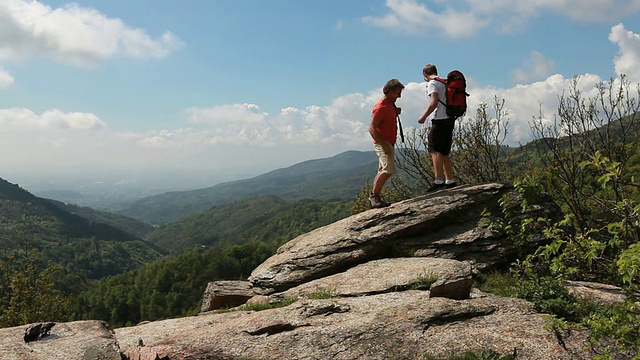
456,86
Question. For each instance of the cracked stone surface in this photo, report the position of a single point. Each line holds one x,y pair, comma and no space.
78,340
399,325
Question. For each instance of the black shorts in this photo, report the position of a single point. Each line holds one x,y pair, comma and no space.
440,136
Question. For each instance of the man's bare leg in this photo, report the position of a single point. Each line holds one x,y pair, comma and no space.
379,181
436,158
446,165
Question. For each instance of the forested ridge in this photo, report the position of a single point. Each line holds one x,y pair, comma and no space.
265,218
80,246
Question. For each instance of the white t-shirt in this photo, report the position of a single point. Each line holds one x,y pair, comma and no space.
441,110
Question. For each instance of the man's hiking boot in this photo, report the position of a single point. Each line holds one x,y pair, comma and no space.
435,187
376,202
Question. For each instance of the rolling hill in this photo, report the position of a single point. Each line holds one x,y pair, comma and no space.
338,177
81,245
264,218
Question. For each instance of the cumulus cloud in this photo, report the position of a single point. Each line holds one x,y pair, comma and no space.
53,140
470,16
628,57
73,34
536,67
416,18
345,122
527,101
18,120
5,78
226,115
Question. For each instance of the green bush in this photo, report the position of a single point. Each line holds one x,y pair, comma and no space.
483,355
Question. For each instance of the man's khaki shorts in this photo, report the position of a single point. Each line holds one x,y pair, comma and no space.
386,163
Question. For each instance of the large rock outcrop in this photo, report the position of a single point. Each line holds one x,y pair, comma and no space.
446,224
393,283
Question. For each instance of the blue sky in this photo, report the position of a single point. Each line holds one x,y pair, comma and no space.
193,92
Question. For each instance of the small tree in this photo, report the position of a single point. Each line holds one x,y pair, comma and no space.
480,154
607,124
413,159
586,155
27,292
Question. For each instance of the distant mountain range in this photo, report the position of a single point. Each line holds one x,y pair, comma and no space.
340,177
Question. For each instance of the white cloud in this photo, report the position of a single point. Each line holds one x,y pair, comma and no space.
237,114
344,121
536,67
415,18
628,58
526,101
73,34
52,141
469,16
19,120
5,79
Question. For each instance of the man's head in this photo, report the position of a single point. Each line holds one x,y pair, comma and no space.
393,87
429,70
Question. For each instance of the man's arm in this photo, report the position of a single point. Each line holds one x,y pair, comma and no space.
433,104
373,130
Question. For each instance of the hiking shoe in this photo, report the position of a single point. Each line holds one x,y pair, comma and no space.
435,187
450,185
376,202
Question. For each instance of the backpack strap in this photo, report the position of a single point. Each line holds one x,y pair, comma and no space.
444,81
399,123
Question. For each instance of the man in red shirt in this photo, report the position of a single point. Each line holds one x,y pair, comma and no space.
383,130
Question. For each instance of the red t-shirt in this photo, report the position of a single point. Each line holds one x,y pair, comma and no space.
385,111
